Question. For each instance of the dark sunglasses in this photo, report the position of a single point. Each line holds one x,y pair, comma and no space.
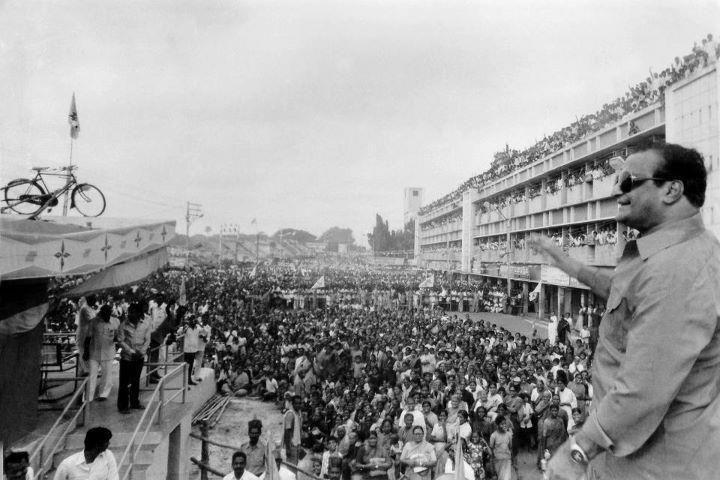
627,182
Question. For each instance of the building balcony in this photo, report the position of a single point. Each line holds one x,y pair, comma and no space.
575,194
535,204
603,187
605,255
552,201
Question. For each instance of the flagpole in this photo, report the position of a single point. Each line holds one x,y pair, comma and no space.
74,128
67,181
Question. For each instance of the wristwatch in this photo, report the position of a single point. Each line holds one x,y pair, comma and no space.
577,454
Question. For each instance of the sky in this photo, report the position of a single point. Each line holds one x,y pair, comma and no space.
310,114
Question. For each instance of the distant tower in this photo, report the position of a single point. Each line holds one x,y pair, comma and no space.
411,203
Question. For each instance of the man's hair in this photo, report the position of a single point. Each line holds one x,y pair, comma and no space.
239,454
97,437
680,163
255,423
14,458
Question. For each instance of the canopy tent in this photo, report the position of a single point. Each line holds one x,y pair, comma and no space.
109,252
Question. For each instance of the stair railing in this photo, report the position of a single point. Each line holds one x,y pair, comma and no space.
44,462
153,412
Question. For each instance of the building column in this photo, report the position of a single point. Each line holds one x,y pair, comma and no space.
560,302
525,294
541,302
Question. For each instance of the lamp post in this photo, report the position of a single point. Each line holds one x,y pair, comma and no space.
506,254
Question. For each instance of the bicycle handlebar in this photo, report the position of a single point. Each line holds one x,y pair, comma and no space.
69,168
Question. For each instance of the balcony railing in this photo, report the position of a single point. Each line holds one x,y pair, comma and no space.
575,194
535,204
602,187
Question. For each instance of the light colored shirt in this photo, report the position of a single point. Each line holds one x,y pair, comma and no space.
655,375
75,467
102,345
191,341
285,473
245,476
255,462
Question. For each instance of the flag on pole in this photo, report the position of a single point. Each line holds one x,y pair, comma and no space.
182,297
428,282
253,221
319,284
73,119
534,294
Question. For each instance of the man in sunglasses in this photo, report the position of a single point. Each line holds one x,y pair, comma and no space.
656,410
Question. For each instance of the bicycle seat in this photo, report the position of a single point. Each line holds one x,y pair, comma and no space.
39,169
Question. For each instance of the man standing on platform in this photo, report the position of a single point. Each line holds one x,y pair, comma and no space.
655,376
134,338
82,335
101,353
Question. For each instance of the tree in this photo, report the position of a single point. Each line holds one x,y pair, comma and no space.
338,235
382,239
300,236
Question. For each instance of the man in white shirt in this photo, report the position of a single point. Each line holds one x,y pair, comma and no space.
103,331
412,408
238,465
95,462
191,345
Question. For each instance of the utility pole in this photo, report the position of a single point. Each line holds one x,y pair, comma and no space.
192,213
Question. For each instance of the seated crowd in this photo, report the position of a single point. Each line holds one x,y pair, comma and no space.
381,389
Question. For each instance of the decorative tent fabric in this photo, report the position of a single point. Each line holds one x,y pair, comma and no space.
70,246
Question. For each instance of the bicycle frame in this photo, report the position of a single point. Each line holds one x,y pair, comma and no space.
70,182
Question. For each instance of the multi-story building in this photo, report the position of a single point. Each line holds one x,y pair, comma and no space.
567,195
412,201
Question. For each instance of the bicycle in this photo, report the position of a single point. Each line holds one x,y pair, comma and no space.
33,196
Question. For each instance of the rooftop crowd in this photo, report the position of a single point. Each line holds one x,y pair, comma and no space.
371,384
638,97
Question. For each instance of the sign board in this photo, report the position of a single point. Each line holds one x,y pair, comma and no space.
555,276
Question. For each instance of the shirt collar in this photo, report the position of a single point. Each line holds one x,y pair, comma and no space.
669,234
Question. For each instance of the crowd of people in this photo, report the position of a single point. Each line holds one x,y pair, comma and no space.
372,383
638,97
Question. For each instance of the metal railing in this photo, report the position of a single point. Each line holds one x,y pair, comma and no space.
153,412
171,357
205,467
36,457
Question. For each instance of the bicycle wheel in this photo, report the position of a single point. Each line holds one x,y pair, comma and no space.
88,200
24,196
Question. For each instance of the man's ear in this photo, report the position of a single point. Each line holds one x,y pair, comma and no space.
674,191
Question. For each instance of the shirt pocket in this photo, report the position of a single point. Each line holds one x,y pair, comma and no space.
614,325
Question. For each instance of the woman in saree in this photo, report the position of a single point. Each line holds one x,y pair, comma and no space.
418,456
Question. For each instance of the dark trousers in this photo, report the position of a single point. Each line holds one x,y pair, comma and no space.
129,387
190,360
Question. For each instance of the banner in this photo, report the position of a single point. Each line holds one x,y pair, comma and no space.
428,282
534,294
319,284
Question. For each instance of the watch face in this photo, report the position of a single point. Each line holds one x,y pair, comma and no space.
577,457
